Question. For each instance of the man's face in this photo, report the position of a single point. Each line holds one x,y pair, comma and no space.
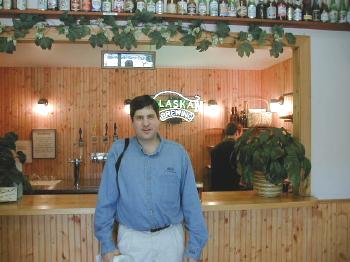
146,123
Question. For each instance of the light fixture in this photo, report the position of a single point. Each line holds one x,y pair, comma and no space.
213,108
127,106
42,107
275,104
283,107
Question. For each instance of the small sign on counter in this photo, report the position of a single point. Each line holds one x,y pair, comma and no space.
44,143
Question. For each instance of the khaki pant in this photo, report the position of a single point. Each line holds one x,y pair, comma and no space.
165,245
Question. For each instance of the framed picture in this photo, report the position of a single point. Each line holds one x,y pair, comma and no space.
44,143
120,59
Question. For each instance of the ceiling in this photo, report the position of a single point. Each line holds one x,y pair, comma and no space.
83,55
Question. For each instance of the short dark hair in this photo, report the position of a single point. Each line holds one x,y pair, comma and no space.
140,102
231,129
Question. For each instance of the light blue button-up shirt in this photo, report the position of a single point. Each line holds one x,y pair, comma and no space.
155,190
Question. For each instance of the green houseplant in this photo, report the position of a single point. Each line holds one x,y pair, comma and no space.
275,153
10,176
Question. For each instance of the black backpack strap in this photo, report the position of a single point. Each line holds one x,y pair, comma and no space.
119,160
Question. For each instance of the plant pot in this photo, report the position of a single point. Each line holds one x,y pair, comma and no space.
265,188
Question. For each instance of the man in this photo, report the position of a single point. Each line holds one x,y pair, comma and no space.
224,176
157,195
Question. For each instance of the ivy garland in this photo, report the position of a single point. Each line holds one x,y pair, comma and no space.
126,35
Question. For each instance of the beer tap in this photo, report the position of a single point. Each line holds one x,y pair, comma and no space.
115,134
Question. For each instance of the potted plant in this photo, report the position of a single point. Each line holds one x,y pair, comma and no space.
12,181
272,155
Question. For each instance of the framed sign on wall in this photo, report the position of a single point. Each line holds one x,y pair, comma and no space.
44,143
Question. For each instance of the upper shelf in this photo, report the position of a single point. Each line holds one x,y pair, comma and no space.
206,19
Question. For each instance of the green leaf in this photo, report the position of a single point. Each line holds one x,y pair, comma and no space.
276,29
196,23
242,36
98,40
142,17
84,21
276,49
68,19
172,29
290,38
255,31
61,30
262,38
77,32
188,40
125,40
7,46
222,29
203,45
109,20
157,39
44,42
245,49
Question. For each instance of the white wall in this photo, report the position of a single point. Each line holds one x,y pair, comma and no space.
330,113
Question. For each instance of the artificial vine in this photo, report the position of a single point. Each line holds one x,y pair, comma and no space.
125,35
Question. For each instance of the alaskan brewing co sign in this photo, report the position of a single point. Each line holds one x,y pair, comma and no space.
175,105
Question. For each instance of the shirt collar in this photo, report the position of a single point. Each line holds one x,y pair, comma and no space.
160,146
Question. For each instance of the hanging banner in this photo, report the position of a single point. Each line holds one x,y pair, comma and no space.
175,105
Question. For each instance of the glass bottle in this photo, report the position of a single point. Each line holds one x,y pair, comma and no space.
96,5
191,7
223,8
324,12
333,13
261,10
213,8
251,10
316,11
307,11
290,10
202,7
140,5
297,16
232,8
85,5
342,12
151,6
242,8
171,7
348,13
281,10
159,7
117,6
75,5
271,9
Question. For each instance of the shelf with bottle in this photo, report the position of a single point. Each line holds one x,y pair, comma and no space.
13,13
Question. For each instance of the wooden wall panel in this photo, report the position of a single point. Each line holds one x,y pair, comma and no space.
305,234
88,98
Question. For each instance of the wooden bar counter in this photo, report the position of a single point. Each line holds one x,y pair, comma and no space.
242,227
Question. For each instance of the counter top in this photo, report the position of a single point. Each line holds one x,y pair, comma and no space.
85,204
86,186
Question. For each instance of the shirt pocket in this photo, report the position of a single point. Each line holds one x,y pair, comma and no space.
170,189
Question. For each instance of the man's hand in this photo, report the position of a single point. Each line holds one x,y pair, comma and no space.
108,257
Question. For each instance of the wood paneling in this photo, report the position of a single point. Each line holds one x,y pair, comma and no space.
318,233
91,97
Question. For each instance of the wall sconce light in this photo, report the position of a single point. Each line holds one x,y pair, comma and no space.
213,108
283,109
127,106
275,104
43,108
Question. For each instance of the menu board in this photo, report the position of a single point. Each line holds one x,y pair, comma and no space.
44,143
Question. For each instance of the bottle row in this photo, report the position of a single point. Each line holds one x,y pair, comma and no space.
292,10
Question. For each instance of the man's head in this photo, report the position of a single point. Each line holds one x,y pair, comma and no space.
233,130
140,102
144,113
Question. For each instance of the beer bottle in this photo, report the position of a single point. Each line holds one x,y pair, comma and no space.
261,10
307,12
242,8
342,12
290,10
251,9
182,7
159,7
324,12
171,7
191,7
232,8
151,6
271,9
297,16
213,8
202,7
223,8
333,14
281,10
316,11
140,5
